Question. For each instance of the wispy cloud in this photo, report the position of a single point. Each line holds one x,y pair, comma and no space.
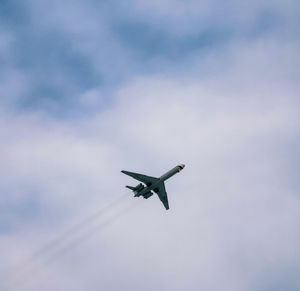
88,89
67,49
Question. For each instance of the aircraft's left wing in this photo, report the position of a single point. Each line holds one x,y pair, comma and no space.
148,180
162,194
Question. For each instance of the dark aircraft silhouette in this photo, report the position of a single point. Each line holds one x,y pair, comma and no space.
153,184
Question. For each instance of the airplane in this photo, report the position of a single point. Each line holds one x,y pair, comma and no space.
151,184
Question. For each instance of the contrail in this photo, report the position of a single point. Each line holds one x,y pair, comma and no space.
74,229
67,241
76,241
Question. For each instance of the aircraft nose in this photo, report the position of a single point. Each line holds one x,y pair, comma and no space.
181,166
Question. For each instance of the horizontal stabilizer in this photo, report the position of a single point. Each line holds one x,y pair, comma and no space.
131,188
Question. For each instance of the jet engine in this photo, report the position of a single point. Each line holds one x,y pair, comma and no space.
147,195
138,188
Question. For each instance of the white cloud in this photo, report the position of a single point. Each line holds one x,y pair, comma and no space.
234,212
233,222
190,17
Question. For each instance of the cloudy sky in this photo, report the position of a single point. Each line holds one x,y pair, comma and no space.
88,88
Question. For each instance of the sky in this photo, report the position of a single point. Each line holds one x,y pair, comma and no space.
90,88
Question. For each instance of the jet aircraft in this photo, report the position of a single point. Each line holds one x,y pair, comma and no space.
151,184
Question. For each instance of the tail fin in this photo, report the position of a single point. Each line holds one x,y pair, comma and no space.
131,188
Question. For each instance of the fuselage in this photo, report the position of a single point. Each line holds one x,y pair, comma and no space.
161,179
172,172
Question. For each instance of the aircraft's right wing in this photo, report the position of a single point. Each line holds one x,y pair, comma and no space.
140,177
162,194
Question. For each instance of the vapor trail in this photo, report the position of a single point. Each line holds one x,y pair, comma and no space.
67,241
76,228
88,233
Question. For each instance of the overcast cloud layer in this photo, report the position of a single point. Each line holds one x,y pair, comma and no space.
88,89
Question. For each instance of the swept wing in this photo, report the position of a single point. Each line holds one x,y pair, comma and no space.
162,194
148,180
